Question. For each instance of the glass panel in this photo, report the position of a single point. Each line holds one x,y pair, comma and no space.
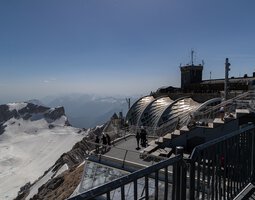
97,174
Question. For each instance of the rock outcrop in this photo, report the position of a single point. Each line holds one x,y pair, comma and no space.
28,112
6,114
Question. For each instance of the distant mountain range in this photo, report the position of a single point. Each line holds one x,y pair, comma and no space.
86,111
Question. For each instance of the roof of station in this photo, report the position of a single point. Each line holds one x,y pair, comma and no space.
134,113
178,111
151,112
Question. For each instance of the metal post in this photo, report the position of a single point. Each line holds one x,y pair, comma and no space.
156,185
123,163
135,189
192,180
179,150
179,179
252,157
227,69
123,192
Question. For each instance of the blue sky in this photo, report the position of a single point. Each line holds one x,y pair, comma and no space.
118,46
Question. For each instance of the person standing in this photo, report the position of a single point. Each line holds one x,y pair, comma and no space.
97,144
143,136
104,140
138,137
222,113
108,139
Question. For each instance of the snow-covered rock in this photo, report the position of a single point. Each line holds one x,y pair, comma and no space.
32,138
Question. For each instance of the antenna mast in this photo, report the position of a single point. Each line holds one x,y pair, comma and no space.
192,56
226,86
128,102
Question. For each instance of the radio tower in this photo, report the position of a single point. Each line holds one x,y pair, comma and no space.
192,57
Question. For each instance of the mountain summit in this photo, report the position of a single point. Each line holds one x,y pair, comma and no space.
12,112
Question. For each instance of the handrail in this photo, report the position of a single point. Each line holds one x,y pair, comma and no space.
198,115
223,103
127,179
200,147
222,167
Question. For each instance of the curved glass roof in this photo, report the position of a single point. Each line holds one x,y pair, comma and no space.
153,111
134,114
178,111
209,103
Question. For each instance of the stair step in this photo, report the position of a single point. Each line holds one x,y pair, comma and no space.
152,143
150,149
184,129
210,125
160,140
176,133
241,112
217,122
166,152
155,153
167,137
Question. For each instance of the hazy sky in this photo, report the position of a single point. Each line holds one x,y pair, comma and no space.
118,46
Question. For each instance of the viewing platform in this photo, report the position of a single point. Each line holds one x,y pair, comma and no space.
213,158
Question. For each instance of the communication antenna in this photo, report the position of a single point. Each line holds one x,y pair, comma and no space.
128,102
226,84
192,56
203,62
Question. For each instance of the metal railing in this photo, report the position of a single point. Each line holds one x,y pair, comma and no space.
151,182
229,106
219,169
152,131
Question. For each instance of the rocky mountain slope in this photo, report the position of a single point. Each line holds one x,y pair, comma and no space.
32,138
60,180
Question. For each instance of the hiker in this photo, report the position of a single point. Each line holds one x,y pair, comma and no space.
104,140
97,144
222,113
108,139
143,137
138,137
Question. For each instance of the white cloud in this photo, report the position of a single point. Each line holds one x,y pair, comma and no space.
49,80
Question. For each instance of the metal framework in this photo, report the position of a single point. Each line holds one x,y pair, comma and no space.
163,114
153,111
245,100
134,113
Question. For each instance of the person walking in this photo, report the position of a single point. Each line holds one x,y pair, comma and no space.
138,137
